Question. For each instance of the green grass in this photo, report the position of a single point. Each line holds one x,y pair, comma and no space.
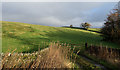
108,65
28,37
94,29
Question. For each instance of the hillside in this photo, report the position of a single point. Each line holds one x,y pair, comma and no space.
28,37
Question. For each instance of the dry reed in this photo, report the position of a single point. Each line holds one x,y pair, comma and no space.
55,56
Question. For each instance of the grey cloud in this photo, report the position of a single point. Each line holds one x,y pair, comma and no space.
57,14
0,11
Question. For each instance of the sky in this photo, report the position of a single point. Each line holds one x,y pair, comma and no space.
57,14
59,0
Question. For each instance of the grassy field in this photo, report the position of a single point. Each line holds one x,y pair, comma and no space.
28,37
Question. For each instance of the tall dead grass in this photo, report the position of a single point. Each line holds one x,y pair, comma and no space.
55,56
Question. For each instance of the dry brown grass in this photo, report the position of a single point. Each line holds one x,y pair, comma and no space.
55,56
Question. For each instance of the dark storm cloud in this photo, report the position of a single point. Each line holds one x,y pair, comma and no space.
57,14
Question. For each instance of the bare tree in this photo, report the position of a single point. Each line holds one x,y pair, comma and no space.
85,25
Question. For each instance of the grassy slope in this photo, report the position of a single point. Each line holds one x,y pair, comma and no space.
28,37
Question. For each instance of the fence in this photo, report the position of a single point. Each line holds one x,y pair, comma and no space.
112,54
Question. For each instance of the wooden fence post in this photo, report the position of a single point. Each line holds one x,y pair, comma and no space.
86,46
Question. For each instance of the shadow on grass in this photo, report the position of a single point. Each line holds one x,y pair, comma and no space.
82,29
73,37
78,37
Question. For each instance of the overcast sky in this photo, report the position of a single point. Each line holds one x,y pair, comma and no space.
57,13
